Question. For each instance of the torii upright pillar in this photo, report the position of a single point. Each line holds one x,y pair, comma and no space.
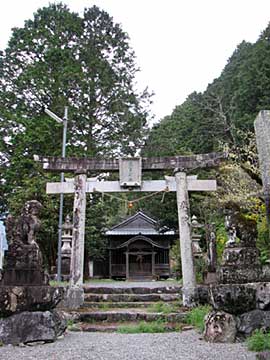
188,271
77,254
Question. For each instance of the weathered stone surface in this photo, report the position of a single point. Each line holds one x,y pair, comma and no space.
240,260
262,130
189,281
252,320
263,355
132,297
155,163
241,275
73,299
14,299
129,315
220,327
31,327
233,298
266,273
262,296
202,294
239,265
240,256
77,252
169,289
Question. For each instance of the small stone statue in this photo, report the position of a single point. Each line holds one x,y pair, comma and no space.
231,230
211,248
240,227
24,228
23,261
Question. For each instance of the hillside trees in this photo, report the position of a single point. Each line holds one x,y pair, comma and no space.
221,118
59,59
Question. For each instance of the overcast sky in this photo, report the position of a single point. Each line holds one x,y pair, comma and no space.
181,45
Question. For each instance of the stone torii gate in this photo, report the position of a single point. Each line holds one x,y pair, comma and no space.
130,181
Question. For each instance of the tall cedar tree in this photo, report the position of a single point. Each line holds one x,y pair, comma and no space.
59,59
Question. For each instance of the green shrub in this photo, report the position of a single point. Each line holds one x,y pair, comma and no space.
259,341
195,317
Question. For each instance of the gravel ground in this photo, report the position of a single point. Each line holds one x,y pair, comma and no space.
99,346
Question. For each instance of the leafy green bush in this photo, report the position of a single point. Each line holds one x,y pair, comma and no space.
259,341
195,317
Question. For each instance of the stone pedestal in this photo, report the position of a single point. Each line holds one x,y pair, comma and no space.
23,266
240,265
28,327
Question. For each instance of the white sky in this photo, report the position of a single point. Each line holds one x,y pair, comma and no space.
181,45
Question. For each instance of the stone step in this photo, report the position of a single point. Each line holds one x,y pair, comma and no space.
172,289
128,315
115,327
122,304
131,297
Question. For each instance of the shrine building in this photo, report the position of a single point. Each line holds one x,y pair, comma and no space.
139,248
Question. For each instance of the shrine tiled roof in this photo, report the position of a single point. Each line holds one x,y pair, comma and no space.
140,223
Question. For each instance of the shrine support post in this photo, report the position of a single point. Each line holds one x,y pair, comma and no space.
189,282
77,255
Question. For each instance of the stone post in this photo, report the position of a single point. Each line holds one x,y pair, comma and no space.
127,265
262,130
77,255
189,282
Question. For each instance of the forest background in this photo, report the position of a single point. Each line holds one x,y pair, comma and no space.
86,63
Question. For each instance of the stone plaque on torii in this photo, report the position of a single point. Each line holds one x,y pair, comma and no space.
131,181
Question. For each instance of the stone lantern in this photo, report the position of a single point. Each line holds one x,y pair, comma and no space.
66,247
196,237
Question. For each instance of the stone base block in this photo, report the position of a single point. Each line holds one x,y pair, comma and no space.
240,298
250,321
15,299
74,298
31,327
240,256
233,298
239,275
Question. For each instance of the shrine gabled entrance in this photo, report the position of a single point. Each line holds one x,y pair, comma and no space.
139,248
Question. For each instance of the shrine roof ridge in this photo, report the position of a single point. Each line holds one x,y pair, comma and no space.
139,221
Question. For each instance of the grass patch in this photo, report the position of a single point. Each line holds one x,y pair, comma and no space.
259,341
104,306
158,326
72,326
164,308
58,283
195,317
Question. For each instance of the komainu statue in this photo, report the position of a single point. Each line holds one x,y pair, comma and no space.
25,227
23,260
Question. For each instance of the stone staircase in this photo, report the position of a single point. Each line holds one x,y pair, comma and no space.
108,308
